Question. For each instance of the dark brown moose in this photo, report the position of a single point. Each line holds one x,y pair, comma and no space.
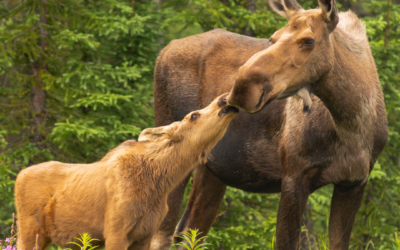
282,147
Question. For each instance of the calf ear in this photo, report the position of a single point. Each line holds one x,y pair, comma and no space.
160,133
149,134
285,8
329,13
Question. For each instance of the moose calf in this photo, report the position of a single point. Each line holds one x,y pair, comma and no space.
121,199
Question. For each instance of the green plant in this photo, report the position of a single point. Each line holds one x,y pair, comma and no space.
370,243
397,241
10,242
192,242
273,241
322,242
85,240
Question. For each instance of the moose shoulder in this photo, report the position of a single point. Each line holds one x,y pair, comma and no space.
279,148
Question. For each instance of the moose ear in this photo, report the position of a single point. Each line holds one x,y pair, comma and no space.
161,133
304,94
285,8
329,13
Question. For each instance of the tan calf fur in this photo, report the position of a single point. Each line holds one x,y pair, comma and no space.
121,199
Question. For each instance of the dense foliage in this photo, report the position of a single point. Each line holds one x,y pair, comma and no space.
76,80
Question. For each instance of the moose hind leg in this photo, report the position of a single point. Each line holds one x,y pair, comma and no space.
344,207
204,202
28,231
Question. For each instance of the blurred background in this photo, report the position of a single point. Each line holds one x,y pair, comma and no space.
76,79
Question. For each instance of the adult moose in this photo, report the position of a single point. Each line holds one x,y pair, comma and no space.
281,148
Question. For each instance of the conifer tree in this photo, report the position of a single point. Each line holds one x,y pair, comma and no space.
75,80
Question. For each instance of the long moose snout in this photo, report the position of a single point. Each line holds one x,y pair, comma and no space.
250,92
251,86
248,100
255,84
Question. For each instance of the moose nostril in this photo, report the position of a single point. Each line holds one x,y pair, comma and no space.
222,102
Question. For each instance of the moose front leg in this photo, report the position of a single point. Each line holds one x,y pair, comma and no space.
345,204
291,207
163,238
204,202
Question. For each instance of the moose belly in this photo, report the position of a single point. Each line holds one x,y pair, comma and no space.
234,169
248,158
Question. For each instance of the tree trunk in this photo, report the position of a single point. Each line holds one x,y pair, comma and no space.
251,6
387,25
38,95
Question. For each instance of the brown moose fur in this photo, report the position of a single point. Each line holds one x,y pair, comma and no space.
280,148
121,199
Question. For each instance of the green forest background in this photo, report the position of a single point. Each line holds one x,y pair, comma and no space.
76,79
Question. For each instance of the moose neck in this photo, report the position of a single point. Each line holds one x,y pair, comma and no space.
349,90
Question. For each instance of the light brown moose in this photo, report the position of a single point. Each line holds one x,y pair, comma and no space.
280,147
121,199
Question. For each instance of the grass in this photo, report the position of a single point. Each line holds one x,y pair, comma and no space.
191,241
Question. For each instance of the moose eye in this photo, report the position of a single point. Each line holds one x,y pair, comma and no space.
309,42
194,116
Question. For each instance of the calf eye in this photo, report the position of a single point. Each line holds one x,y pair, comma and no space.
194,116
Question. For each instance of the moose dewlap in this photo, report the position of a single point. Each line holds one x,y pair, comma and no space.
121,199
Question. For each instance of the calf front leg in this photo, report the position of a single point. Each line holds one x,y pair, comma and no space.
291,207
344,207
204,202
163,238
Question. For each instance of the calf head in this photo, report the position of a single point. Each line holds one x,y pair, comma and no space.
200,130
300,54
